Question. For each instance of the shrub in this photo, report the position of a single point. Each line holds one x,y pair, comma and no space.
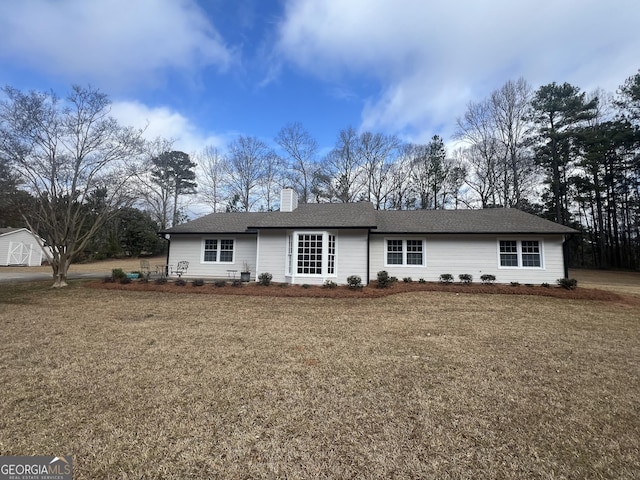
354,282
236,283
487,278
422,280
329,284
466,278
160,281
568,283
125,280
118,274
407,280
220,283
144,279
446,278
384,280
305,285
515,284
180,282
545,285
265,278
198,282
108,279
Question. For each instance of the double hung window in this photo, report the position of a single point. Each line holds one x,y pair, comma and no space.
404,252
520,253
218,250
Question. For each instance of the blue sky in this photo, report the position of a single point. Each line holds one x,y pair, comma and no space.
204,71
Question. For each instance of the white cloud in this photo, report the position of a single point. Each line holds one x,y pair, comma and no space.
110,42
431,59
165,123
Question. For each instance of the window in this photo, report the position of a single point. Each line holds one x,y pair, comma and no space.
508,253
414,252
218,250
531,253
520,253
226,251
394,252
331,256
211,250
290,255
310,253
405,252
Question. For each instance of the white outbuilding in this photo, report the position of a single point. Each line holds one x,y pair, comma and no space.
20,246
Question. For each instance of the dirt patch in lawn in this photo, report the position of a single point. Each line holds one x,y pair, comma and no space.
371,291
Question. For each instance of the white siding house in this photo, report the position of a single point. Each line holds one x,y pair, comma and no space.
20,246
475,255
315,243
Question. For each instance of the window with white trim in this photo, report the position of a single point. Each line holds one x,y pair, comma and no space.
289,254
520,253
394,252
331,255
408,252
508,253
310,253
216,250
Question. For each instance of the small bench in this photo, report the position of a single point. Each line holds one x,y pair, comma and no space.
231,273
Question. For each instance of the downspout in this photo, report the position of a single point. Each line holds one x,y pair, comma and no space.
167,237
565,255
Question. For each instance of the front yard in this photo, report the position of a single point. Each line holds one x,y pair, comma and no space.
423,385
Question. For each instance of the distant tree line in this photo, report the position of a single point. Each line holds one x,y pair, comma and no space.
91,187
558,152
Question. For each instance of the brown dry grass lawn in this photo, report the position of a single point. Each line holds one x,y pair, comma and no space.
416,385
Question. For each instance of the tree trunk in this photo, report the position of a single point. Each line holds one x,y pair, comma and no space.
60,266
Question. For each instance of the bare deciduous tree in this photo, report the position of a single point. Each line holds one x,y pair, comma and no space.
301,149
509,106
344,166
477,129
245,165
212,180
76,161
378,152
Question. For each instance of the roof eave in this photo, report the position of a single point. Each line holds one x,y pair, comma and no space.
457,232
216,232
316,227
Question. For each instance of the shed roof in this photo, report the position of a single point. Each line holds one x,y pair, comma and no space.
6,230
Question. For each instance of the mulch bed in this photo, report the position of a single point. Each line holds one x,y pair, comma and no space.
371,291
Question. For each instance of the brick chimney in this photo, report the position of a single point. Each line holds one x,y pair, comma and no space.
288,200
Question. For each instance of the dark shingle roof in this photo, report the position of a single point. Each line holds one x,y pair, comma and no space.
363,215
322,215
490,220
219,223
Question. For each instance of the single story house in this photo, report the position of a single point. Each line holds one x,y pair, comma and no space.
20,246
313,243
